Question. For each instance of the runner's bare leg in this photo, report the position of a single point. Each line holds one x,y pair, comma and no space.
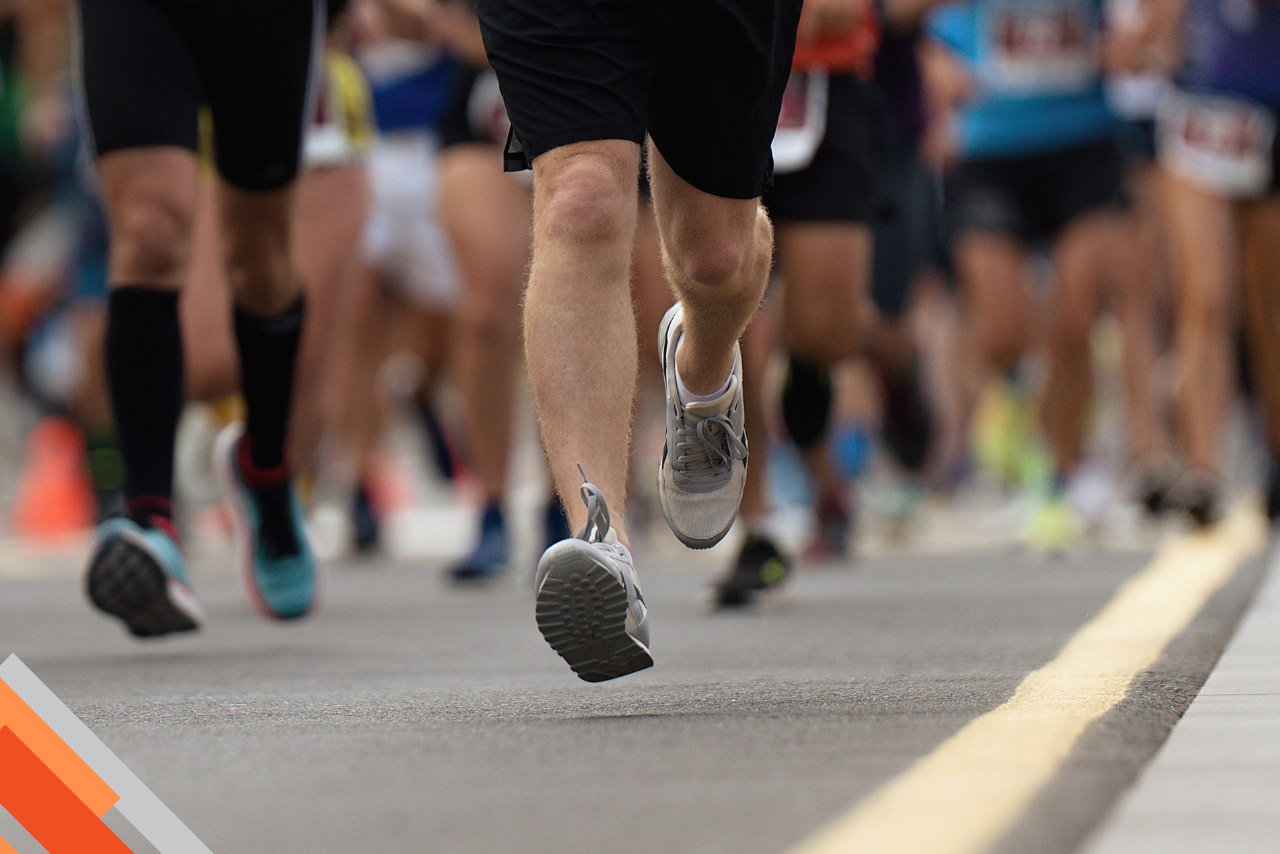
580,330
717,253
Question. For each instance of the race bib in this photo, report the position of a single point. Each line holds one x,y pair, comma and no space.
1042,48
802,123
1220,143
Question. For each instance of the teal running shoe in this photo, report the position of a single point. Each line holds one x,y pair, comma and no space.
138,575
276,561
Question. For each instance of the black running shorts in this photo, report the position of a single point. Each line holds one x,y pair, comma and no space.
845,181
1033,198
703,77
148,65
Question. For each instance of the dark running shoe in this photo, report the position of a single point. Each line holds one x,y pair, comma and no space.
137,574
366,532
488,559
760,567
1198,493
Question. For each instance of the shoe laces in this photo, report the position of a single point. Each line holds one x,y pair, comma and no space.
597,526
706,449
597,530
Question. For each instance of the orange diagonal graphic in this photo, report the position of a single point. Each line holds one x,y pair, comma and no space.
54,752
46,807
6,848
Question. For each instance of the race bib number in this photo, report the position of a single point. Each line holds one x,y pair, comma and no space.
1043,48
1222,144
802,123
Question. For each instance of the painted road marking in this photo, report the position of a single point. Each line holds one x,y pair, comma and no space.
962,797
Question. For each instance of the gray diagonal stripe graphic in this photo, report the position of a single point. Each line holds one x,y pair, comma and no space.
137,804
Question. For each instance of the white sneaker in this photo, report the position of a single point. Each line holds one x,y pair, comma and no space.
704,463
589,605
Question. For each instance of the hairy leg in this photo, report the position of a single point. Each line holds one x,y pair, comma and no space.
580,332
717,253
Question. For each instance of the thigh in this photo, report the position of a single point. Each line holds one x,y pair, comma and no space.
257,62
571,70
139,76
718,90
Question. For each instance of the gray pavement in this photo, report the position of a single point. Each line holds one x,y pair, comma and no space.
412,716
1215,784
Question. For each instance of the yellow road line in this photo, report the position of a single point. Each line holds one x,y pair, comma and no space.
962,797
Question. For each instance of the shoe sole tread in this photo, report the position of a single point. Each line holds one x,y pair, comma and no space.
126,582
582,612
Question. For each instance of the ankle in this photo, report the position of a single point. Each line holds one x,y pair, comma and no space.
706,385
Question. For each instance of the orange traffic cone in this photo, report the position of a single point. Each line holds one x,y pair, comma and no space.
55,496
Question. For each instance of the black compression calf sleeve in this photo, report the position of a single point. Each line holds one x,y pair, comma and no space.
268,354
806,402
144,375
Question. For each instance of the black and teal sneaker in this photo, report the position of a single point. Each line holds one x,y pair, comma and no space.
137,574
276,561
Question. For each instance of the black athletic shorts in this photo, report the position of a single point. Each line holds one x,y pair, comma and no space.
844,182
1033,198
703,77
148,65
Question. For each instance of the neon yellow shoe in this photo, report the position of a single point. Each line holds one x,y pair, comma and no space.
1055,527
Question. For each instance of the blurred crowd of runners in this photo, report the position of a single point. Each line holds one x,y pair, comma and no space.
981,208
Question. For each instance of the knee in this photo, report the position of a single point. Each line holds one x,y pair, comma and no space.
151,241
587,200
714,253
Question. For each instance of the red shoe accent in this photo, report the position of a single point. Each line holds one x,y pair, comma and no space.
254,476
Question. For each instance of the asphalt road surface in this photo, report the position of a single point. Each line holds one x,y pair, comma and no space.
411,716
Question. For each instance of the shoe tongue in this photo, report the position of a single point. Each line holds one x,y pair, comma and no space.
611,538
716,406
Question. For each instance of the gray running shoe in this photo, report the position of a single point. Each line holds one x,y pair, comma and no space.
704,463
589,606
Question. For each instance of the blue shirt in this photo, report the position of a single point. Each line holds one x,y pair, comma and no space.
1233,47
1035,68
411,85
